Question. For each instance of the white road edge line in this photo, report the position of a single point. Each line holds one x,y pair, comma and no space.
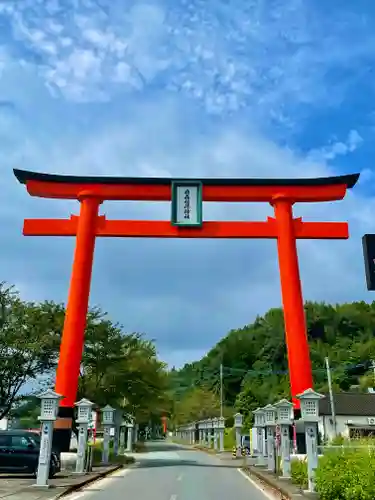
268,495
86,491
173,497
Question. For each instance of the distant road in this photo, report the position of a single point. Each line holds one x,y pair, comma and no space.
172,472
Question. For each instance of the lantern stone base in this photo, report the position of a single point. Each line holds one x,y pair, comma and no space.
42,486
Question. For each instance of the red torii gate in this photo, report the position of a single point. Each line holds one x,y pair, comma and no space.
92,191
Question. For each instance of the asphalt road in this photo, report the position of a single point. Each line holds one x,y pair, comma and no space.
172,472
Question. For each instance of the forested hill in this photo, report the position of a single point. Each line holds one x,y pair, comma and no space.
255,369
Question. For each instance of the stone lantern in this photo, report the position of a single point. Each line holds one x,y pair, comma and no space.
285,417
215,422
48,414
207,427
270,413
192,433
238,418
210,429
309,400
259,424
130,438
108,422
83,419
221,428
200,432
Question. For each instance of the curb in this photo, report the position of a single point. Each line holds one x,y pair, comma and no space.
87,481
268,482
275,485
214,453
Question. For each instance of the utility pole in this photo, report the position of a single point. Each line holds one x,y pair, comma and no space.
221,389
332,402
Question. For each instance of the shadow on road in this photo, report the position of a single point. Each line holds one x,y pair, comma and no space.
163,446
145,463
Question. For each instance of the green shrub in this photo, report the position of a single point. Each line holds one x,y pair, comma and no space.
338,440
278,465
113,459
299,473
229,439
347,474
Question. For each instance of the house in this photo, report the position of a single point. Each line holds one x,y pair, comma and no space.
355,415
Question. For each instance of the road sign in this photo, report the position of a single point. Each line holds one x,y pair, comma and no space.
368,243
186,203
278,436
93,419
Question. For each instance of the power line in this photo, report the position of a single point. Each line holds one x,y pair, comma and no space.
228,371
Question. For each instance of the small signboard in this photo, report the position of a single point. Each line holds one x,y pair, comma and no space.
186,203
44,446
93,420
81,446
368,244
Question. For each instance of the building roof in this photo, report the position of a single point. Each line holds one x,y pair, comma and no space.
349,404
24,176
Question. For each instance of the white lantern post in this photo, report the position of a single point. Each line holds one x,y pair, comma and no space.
122,437
135,431
83,419
238,418
204,433
129,439
108,423
200,429
259,424
310,416
48,414
215,423
210,437
221,427
192,433
285,417
270,422
116,440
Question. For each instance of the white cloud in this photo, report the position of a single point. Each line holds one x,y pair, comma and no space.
267,56
337,148
186,294
134,90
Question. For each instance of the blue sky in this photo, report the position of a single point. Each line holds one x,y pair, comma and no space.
186,88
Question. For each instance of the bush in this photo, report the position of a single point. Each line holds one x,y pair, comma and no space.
299,473
112,459
229,439
347,474
339,440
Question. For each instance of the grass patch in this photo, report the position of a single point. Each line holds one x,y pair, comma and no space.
97,450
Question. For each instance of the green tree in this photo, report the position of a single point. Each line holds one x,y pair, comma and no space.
29,336
121,369
117,368
255,358
198,403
